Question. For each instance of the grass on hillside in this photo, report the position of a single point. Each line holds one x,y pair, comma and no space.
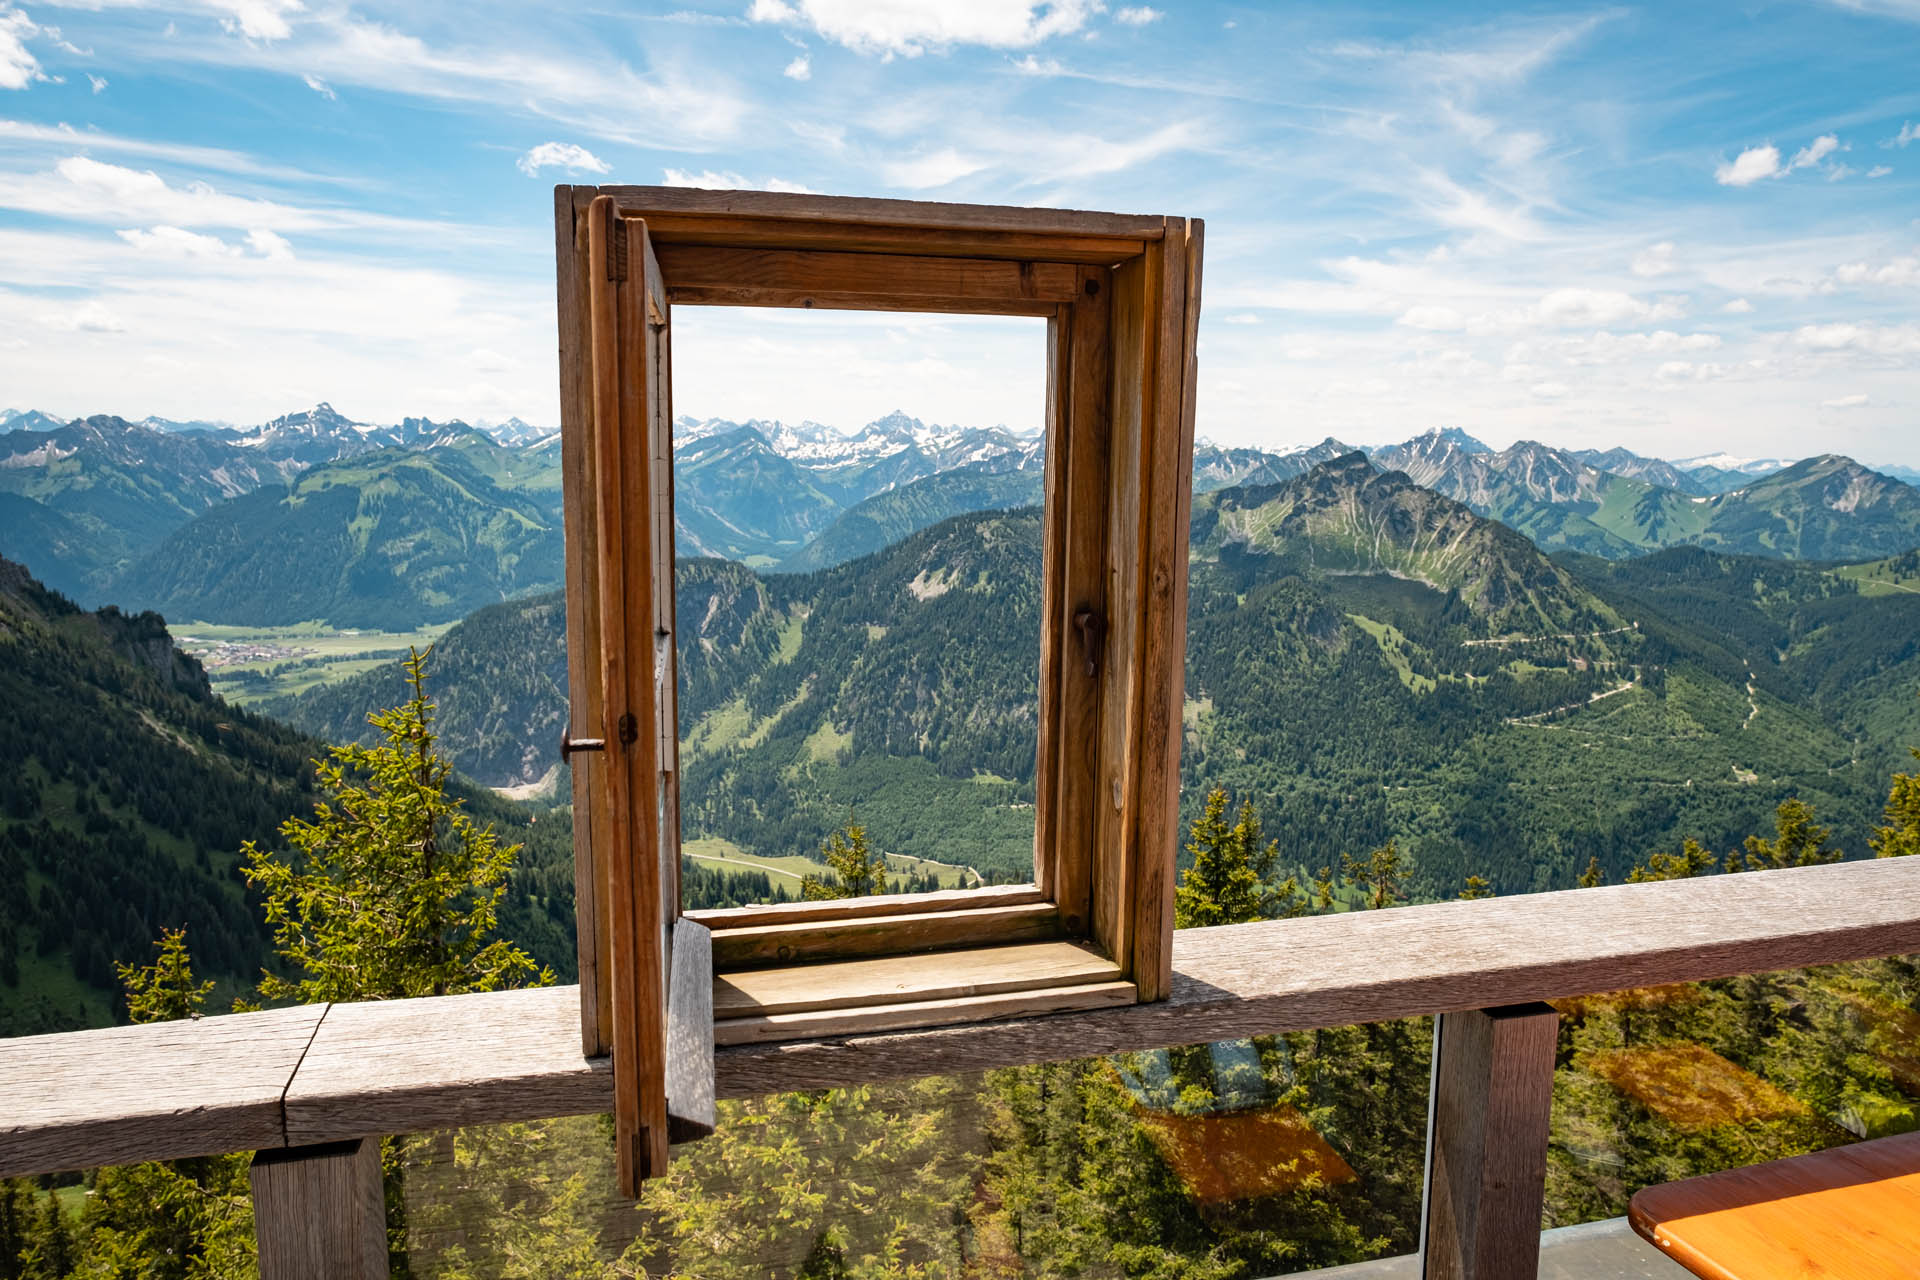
786,871
1896,575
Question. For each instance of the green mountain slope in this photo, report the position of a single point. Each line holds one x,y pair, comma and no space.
888,517
1824,508
389,539
1367,659
126,791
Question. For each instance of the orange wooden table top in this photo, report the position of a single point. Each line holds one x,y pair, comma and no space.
1850,1213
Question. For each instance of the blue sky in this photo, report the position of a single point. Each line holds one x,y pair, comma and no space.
1681,228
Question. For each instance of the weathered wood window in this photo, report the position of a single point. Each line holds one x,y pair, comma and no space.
1121,297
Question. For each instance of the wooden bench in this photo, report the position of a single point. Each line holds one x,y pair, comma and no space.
1848,1213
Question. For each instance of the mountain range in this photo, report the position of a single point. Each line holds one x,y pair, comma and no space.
421,521
1366,659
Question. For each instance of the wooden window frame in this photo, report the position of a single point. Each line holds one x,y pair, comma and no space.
1121,297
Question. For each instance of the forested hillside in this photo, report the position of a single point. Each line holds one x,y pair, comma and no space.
126,791
1367,660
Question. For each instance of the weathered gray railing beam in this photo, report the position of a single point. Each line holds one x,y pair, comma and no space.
308,1076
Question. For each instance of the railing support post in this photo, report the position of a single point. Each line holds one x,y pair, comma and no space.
319,1213
1487,1114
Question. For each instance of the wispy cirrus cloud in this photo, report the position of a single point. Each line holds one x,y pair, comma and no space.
910,28
570,156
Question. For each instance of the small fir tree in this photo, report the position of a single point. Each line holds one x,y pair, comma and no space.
164,991
857,871
1379,874
1228,880
1900,836
1476,888
1593,877
390,890
1797,842
1694,859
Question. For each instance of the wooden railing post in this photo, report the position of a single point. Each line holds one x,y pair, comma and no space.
319,1212
1487,1114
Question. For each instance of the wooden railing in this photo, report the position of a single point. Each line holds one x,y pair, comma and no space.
312,1088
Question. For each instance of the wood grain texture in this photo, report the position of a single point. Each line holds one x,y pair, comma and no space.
168,1090
408,1066
1165,507
1068,785
928,218
882,935
920,1013
1116,808
1487,1143
578,473
1365,966
690,1112
320,1213
893,904
160,1091
837,300
940,975
890,281
1850,1213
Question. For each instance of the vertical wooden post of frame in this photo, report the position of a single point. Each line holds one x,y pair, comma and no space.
578,463
623,321
1154,314
1074,577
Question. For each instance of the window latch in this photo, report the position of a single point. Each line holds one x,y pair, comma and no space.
570,744
1092,626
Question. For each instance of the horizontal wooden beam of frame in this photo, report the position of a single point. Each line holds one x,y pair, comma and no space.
720,919
924,216
882,935
167,1090
862,281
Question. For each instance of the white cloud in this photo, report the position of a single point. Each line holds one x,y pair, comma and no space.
81,187
1879,171
320,87
801,68
18,67
99,83
1867,339
174,242
1909,132
258,19
570,156
1898,271
1243,317
1814,152
1847,402
1138,15
1655,260
909,28
1432,318
1599,308
88,317
1034,65
727,180
931,169
1548,390
269,245
1749,167
1737,307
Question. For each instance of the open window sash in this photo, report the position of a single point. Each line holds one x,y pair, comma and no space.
640,844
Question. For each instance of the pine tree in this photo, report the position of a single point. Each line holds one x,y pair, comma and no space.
1476,888
1593,877
1797,842
1900,837
164,991
1228,880
390,890
1379,874
857,870
1692,860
